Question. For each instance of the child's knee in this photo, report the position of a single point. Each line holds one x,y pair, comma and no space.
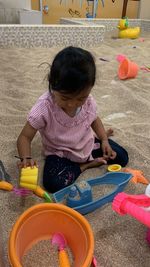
54,183
123,157
50,184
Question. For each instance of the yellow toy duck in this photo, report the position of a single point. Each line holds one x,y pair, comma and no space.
125,32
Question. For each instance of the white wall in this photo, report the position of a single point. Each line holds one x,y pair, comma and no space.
144,9
9,10
15,4
30,17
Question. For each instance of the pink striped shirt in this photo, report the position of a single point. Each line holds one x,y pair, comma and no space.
62,135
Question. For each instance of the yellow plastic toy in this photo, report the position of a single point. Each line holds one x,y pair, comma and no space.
114,168
29,178
125,32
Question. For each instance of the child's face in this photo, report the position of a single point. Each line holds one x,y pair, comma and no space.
70,103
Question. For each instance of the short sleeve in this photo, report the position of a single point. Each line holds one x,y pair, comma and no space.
93,107
37,115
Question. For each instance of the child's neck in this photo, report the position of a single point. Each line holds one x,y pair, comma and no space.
72,113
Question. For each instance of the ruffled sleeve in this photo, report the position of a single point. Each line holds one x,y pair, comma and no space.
38,114
92,107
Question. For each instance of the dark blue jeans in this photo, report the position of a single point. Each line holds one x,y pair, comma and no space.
61,172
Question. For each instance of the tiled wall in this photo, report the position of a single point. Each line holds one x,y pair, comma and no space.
146,25
50,35
79,32
110,24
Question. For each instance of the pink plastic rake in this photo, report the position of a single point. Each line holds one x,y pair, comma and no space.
22,192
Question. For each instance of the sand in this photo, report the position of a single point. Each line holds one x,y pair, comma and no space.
123,105
48,255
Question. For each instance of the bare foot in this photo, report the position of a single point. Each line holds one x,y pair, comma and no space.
95,163
99,161
110,132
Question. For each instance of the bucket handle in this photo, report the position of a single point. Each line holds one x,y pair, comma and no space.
94,262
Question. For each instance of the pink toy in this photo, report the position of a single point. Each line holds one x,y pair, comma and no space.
145,68
59,240
134,205
127,69
148,236
21,191
120,58
94,262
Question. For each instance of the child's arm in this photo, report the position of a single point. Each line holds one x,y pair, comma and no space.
24,144
98,128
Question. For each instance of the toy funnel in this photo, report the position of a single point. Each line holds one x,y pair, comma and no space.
127,69
42,221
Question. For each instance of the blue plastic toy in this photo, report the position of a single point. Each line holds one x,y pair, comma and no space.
79,195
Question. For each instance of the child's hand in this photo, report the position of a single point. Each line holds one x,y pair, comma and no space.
101,160
108,153
26,162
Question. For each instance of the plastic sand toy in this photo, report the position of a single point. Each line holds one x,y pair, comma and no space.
79,195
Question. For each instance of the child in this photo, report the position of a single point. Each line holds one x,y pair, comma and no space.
67,120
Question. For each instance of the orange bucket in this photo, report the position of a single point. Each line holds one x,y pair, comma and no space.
127,69
41,222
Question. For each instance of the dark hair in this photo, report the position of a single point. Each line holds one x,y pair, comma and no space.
73,70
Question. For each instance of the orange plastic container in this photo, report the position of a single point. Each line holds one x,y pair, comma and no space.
127,69
41,222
